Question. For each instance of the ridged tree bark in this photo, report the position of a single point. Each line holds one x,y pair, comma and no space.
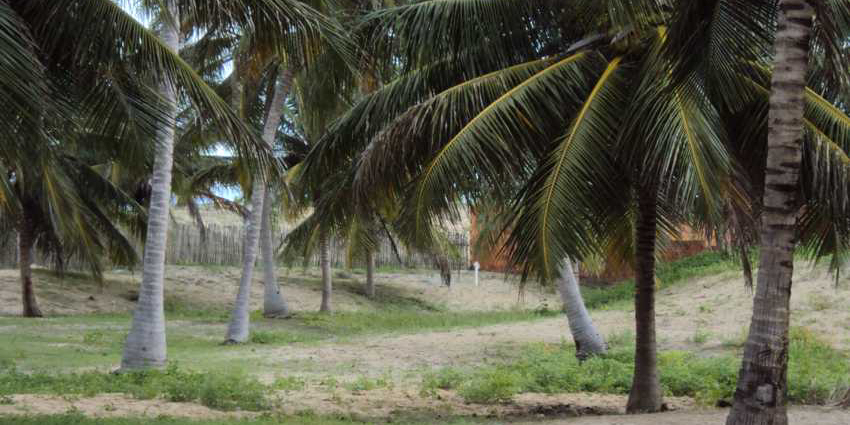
761,394
26,241
327,282
589,342
145,345
645,395
274,304
370,274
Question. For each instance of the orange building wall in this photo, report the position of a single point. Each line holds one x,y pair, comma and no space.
689,243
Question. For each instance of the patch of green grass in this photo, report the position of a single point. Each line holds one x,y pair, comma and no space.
816,373
815,370
70,343
821,302
491,385
701,337
443,379
300,419
215,390
401,320
289,383
365,384
281,337
704,264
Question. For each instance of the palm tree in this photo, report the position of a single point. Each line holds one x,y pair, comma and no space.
91,207
792,150
239,327
105,74
761,394
272,23
543,109
145,343
589,342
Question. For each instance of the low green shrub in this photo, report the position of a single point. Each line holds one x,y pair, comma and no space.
816,373
289,383
491,386
366,384
443,379
704,264
218,391
407,320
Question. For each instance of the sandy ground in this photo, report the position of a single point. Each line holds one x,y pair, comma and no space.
796,416
215,287
108,405
717,308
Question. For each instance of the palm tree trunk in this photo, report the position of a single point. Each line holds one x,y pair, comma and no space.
240,320
370,274
26,241
645,395
588,340
325,262
273,303
761,394
145,344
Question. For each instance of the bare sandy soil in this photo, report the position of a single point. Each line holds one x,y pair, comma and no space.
215,287
796,416
717,308
107,406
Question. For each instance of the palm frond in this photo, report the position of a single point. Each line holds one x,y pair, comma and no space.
554,213
502,140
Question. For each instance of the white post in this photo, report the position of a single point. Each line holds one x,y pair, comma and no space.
476,265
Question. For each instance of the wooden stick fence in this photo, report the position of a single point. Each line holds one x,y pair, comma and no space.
222,245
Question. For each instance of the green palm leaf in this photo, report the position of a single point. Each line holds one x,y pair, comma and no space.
505,137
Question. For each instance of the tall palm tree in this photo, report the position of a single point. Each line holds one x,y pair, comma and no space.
792,145
494,120
239,328
761,394
104,72
272,23
145,343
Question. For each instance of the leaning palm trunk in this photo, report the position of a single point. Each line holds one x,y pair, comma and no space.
239,328
145,345
240,321
645,395
26,240
588,340
327,283
761,393
273,303
370,274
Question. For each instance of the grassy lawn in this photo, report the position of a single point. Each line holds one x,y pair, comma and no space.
620,296
73,355
76,419
75,342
